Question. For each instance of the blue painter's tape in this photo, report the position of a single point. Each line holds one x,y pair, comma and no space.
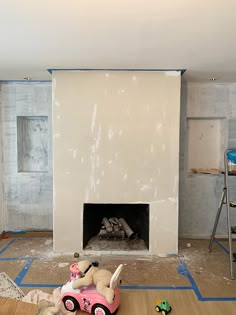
25,81
222,247
105,69
38,285
23,272
8,245
146,287
218,299
14,258
31,238
183,270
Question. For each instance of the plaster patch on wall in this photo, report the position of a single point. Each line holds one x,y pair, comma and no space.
86,198
110,162
98,138
74,152
164,116
172,73
152,148
120,132
93,148
107,75
57,104
82,159
125,176
172,199
145,187
97,161
94,117
110,134
134,78
58,116
68,172
176,184
56,135
92,180
121,91
163,147
158,126
155,193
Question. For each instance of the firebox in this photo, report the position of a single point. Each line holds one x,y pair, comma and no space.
116,227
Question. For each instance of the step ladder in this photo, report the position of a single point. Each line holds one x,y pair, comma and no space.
225,200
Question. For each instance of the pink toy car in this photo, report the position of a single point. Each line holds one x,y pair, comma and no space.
88,299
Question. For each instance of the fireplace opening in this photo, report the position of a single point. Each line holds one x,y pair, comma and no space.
116,227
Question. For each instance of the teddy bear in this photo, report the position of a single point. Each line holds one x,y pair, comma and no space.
47,308
89,273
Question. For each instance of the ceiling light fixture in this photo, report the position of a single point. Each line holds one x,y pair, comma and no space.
212,79
28,78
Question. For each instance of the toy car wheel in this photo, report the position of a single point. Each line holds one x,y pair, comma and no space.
157,308
99,309
163,312
70,304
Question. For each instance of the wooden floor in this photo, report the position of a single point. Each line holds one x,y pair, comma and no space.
195,282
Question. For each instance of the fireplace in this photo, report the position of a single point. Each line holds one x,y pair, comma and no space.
116,154
136,216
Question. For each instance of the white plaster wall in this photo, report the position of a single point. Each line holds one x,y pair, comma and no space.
116,140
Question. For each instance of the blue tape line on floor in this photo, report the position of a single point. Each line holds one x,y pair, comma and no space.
222,247
146,287
7,246
23,272
14,258
183,270
38,285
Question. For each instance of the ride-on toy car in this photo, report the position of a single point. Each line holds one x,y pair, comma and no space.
163,306
88,299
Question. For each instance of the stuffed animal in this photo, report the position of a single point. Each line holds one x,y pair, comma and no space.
91,274
47,308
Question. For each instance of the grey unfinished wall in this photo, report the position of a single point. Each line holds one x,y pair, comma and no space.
1,176
200,194
26,155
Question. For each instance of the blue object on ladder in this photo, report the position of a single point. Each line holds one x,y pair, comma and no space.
231,156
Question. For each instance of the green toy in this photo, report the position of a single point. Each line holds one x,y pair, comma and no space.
163,306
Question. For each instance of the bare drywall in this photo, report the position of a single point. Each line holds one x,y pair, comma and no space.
204,145
116,140
200,194
27,199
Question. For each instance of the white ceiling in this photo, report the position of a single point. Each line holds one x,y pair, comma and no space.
197,35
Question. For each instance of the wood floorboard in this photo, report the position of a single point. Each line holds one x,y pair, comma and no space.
209,274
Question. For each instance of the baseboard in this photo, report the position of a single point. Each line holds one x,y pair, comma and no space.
205,237
26,234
